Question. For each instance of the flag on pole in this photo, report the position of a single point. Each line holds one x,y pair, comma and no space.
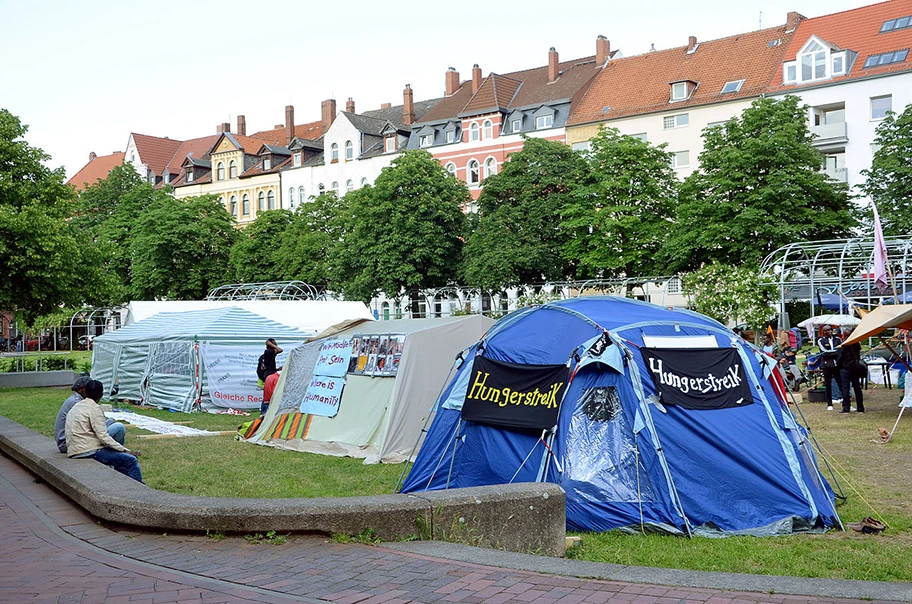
880,253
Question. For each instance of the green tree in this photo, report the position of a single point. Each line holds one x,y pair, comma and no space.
254,257
180,248
308,245
759,187
46,263
889,180
621,216
517,237
728,293
404,232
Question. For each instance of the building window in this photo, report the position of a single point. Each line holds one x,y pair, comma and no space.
813,62
390,144
680,159
220,171
232,169
516,125
886,58
582,147
490,167
733,86
349,186
291,197
363,182
425,140
474,134
335,187
301,198
267,163
880,105
245,204
678,91
233,206
270,200
261,205
189,173
296,160
451,136
674,286
321,188
544,121
892,24
451,168
473,173
488,130
790,74
640,136
349,151
676,121
334,153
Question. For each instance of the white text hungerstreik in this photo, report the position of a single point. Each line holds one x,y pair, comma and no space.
686,384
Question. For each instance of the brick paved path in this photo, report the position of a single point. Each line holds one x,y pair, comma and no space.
51,551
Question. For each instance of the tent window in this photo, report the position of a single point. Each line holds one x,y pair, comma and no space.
601,404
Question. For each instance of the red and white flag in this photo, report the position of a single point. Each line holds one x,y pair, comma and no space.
880,253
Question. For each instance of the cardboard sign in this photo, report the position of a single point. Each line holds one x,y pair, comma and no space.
323,396
335,355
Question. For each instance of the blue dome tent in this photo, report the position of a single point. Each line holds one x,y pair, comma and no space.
662,420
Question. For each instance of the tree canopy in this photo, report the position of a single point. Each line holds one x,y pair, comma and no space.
308,246
889,181
254,256
518,235
759,187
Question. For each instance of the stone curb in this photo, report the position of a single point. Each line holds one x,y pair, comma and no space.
523,517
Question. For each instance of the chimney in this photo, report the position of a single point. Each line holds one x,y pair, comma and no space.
452,81
386,105
92,156
476,78
691,43
327,113
223,127
602,50
242,125
408,106
791,22
350,105
289,123
552,64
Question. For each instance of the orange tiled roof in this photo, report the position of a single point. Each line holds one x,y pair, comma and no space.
857,30
249,144
310,131
642,83
97,169
197,146
154,151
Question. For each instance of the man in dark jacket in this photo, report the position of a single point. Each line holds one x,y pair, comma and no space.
848,360
827,344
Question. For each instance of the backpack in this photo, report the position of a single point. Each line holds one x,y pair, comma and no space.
261,367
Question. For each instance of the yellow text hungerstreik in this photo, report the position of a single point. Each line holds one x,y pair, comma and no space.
507,396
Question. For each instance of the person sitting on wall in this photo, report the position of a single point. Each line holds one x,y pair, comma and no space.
87,436
116,429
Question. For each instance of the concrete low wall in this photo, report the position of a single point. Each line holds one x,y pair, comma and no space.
524,517
37,379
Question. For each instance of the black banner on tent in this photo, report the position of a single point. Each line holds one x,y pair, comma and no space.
514,396
698,378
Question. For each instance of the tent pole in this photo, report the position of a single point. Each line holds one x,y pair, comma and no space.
439,461
902,407
522,465
453,455
817,446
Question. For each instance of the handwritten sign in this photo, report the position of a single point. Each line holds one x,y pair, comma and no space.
323,395
335,355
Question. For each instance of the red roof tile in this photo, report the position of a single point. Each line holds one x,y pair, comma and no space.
311,131
97,169
857,30
642,83
197,146
154,151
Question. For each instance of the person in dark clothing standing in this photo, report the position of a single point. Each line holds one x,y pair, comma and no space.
827,344
266,364
848,360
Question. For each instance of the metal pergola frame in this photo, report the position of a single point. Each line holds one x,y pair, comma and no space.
268,290
806,270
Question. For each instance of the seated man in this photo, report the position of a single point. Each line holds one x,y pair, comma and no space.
117,430
87,435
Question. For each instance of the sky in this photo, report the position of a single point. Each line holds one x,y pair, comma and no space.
83,75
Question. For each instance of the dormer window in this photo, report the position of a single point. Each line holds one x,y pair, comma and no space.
816,61
516,125
267,163
296,160
451,136
389,144
189,175
544,121
679,91
425,140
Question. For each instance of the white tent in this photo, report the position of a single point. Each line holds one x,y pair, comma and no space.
199,359
389,374
309,316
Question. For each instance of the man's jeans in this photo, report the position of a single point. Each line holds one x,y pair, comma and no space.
122,462
116,430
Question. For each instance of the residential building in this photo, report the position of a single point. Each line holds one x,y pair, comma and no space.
354,149
97,169
850,68
481,121
151,155
670,96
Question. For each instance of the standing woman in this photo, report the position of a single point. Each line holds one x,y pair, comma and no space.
848,359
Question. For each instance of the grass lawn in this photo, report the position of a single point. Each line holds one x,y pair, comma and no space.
876,477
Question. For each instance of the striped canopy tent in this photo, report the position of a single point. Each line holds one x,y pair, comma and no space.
193,360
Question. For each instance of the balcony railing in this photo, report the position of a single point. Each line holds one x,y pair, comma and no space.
840,174
830,134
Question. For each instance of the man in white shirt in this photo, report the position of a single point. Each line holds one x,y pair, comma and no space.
87,435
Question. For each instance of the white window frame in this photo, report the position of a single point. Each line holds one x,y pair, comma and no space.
582,146
188,174
267,163
301,198
270,200
451,136
790,73
516,125
296,160
543,122
490,167
321,188
334,153
232,169
349,151
389,144
245,204
291,197
220,171
487,130
680,120
678,156
678,91
474,132
349,185
425,140
334,187
261,201
450,167
473,173
880,98
233,205
733,85
364,182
